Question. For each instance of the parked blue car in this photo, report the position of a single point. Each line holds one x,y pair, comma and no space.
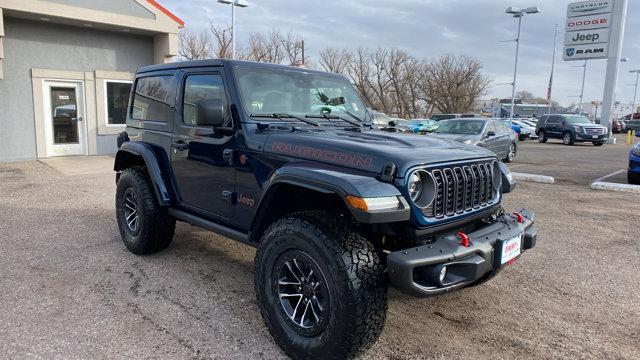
515,127
633,173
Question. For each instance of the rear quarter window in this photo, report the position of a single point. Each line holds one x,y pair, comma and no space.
150,99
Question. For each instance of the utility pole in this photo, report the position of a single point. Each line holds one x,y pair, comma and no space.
584,74
635,92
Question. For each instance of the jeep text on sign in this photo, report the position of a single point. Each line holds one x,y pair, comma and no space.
585,52
586,37
588,22
591,7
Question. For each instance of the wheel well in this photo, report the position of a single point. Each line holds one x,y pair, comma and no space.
295,199
126,159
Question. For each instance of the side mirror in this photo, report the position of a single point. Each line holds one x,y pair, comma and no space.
392,123
491,133
210,112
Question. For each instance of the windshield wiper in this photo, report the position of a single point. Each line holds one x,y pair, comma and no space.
283,116
331,116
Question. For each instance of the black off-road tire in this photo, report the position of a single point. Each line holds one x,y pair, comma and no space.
598,143
542,136
355,279
155,227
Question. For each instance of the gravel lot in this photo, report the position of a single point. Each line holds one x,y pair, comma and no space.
69,288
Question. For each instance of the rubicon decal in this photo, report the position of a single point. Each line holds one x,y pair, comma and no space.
356,160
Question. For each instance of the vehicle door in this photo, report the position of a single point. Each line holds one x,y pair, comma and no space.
490,138
201,155
504,138
554,126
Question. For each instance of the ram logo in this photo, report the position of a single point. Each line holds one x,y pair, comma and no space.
570,51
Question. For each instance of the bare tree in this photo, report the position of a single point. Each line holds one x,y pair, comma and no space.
194,46
453,83
221,38
335,60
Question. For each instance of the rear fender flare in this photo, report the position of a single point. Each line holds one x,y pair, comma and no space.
156,163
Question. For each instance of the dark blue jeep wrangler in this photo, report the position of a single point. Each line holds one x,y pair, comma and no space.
285,159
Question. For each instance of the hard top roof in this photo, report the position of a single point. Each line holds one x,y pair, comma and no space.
225,62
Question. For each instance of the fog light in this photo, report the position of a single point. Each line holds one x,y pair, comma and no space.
443,274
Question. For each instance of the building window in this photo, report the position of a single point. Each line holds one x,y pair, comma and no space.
117,99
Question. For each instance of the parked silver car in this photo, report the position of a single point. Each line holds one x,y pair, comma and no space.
488,133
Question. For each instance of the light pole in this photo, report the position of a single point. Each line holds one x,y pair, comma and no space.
517,13
234,3
635,92
584,74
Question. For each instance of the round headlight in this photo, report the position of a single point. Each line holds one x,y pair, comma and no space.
497,176
414,186
421,187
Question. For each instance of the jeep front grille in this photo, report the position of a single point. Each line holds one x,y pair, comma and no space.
461,189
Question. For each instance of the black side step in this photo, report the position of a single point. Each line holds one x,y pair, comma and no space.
211,226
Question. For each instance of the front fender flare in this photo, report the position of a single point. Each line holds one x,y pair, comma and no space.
341,183
156,163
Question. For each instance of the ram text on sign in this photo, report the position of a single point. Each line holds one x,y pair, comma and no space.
585,52
586,37
591,7
588,22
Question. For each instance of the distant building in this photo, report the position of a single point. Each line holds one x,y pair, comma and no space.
619,110
501,108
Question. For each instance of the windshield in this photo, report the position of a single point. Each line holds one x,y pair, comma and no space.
462,127
267,91
381,119
576,119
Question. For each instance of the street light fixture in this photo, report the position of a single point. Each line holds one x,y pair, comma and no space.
518,13
234,3
635,92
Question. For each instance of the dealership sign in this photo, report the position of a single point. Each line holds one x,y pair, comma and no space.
582,8
587,30
583,52
588,22
586,37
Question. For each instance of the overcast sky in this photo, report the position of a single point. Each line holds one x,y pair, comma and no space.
428,28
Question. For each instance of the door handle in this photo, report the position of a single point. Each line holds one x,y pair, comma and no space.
180,145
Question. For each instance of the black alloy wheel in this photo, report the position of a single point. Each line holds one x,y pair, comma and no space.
302,292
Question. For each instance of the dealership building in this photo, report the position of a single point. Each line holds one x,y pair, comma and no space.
66,68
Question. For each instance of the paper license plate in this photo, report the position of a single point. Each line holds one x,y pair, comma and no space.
595,136
511,249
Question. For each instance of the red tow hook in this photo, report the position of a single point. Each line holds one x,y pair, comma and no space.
464,238
519,217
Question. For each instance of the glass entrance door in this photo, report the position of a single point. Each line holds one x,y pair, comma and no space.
65,127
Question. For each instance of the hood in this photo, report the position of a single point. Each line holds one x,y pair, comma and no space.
456,137
370,150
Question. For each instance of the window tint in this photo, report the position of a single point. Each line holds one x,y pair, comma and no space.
117,101
149,102
201,87
553,120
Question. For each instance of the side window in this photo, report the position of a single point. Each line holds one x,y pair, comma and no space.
552,120
149,102
202,87
491,126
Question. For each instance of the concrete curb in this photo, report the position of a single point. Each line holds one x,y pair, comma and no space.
603,185
543,179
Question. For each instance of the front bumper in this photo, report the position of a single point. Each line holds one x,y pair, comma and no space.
585,137
415,270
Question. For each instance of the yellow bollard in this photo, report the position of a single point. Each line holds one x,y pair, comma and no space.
629,137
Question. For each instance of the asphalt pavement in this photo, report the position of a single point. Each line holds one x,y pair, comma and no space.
579,164
70,289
